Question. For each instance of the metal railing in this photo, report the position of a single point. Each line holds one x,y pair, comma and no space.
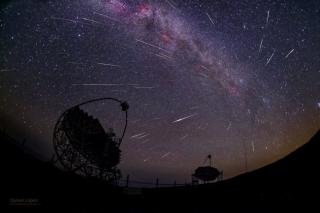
127,182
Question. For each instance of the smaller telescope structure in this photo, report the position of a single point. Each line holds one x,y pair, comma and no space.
206,173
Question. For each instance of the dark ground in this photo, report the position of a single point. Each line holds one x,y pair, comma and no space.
291,184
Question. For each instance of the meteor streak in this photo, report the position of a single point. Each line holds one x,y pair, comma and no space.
166,155
109,85
107,17
109,65
138,135
289,53
211,20
143,87
64,19
260,46
268,15
90,20
270,58
151,45
184,118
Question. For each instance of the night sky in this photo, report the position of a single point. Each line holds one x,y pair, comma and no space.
236,79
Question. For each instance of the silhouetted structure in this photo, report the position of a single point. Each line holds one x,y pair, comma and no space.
82,146
206,173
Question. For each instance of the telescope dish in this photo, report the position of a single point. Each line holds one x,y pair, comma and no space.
82,145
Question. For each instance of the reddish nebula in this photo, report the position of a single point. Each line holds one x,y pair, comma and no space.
165,37
144,8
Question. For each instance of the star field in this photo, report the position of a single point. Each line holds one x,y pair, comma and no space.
235,79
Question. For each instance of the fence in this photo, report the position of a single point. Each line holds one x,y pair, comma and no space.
156,184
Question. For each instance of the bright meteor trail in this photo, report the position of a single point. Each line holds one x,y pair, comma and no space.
184,118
